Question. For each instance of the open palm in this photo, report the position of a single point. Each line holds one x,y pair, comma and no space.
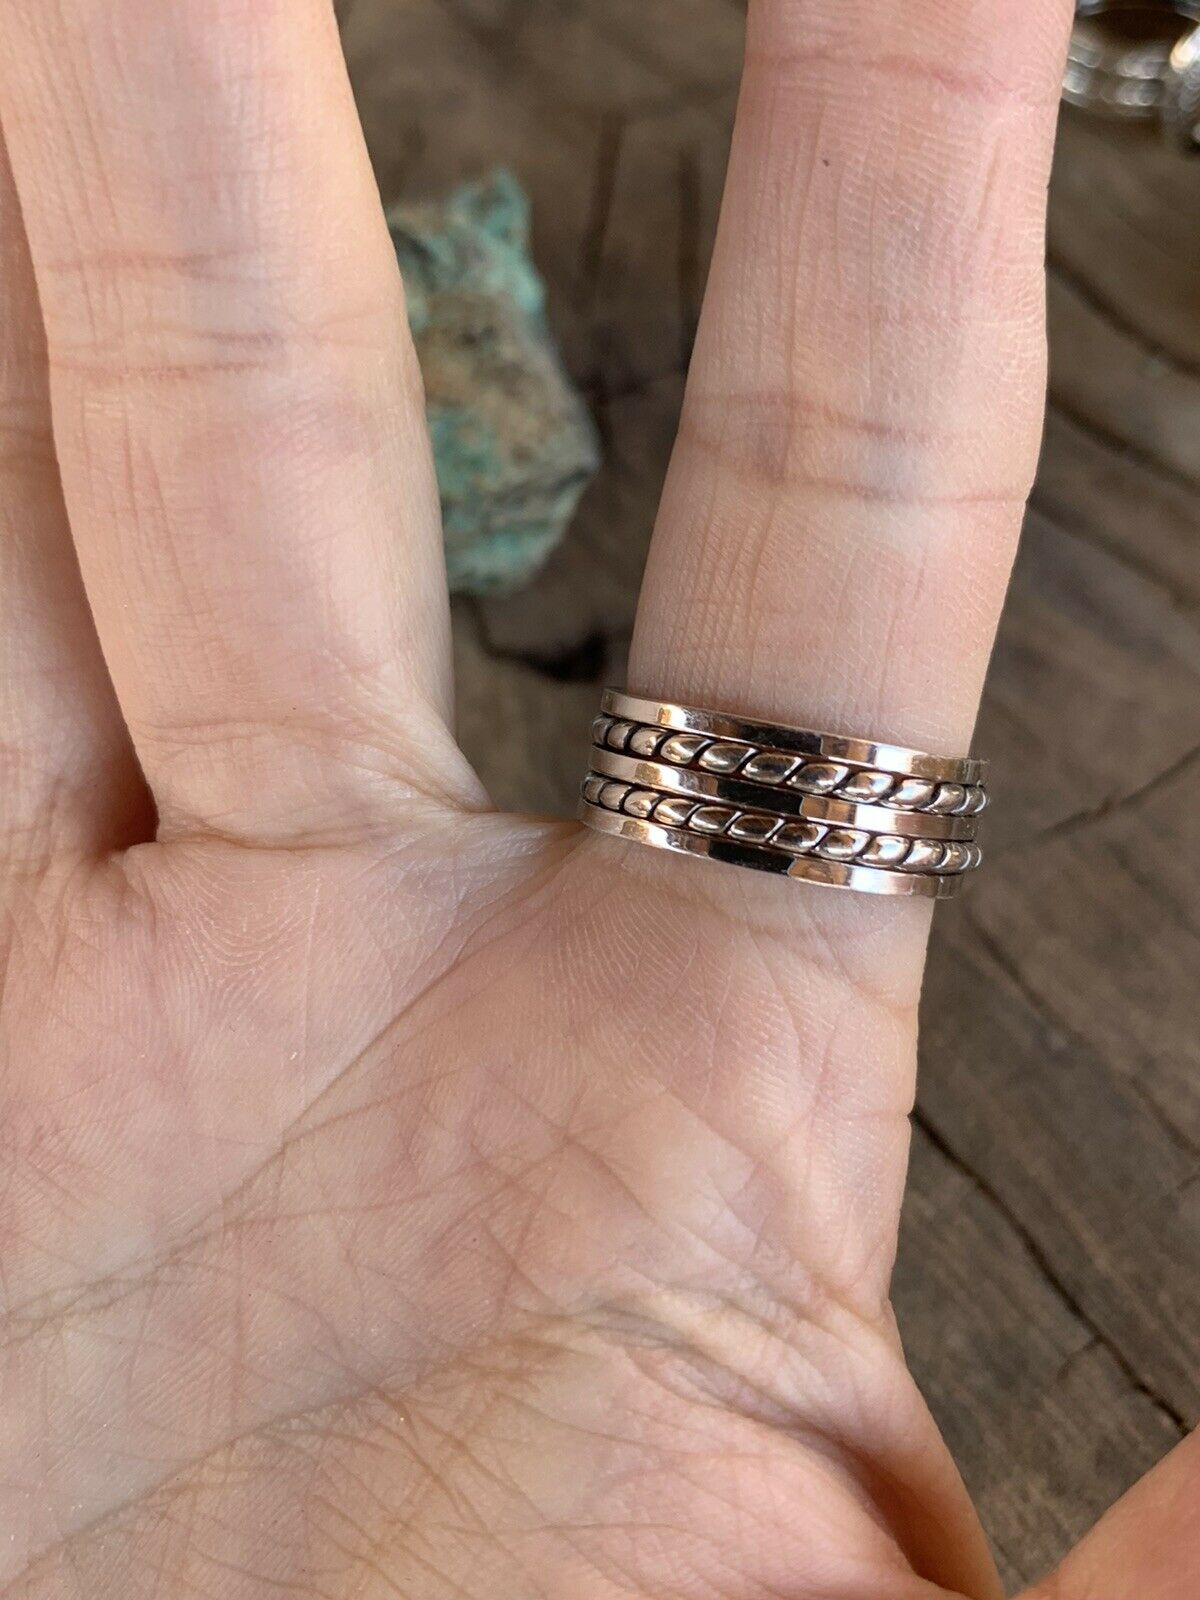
397,1198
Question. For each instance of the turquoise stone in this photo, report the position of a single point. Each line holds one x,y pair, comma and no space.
513,441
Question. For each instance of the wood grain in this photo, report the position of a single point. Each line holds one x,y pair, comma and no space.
1049,1276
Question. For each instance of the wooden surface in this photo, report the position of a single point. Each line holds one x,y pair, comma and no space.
1049,1280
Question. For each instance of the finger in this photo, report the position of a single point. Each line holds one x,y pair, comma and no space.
237,405
1147,1545
865,401
69,784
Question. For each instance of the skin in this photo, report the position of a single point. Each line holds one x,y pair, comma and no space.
397,1198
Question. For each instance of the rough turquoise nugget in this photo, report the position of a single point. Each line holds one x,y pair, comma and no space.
513,442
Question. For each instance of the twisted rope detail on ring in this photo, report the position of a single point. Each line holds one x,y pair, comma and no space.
776,768
842,845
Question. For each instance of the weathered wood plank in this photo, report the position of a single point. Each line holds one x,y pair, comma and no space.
1037,1409
1125,225
1109,381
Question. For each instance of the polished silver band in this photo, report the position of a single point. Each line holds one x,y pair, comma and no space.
851,813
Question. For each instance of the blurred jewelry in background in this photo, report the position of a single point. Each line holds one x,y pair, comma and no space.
1182,108
1138,60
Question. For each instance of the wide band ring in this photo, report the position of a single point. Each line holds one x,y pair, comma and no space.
825,808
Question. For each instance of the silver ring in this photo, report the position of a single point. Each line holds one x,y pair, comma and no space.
825,808
707,787
891,758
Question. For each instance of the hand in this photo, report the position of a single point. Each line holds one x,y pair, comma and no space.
397,1198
